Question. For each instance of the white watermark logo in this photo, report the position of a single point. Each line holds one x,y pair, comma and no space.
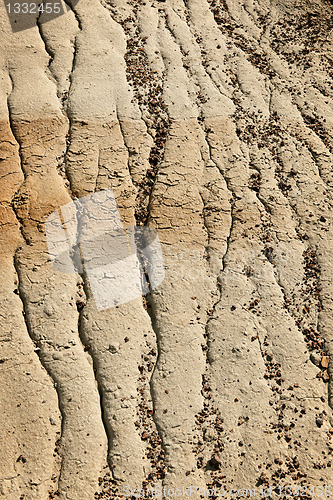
87,236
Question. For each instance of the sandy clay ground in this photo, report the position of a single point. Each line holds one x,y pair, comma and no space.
211,121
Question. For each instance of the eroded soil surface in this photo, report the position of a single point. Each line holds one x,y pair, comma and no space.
211,121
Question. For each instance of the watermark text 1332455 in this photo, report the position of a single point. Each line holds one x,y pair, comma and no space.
25,14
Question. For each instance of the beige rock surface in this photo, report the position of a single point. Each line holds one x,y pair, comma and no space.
211,121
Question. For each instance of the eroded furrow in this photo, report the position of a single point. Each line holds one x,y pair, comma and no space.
26,387
209,121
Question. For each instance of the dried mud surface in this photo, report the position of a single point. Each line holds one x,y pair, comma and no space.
211,121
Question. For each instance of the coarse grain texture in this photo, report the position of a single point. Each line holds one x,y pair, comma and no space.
211,121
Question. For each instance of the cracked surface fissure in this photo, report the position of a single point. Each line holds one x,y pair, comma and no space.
210,121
